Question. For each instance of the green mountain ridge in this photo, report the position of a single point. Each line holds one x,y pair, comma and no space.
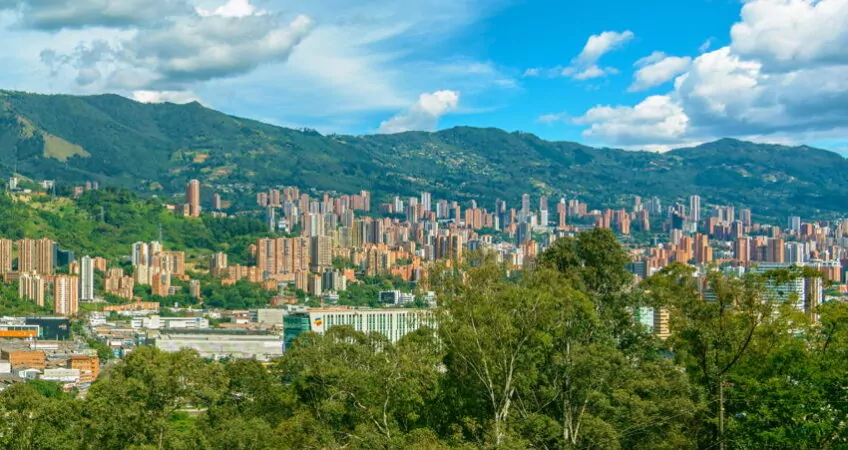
118,141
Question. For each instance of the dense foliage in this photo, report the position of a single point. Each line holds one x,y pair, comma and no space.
548,360
107,222
162,146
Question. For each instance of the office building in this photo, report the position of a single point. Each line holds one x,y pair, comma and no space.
66,295
393,323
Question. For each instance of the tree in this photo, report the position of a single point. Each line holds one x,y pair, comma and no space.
492,330
362,386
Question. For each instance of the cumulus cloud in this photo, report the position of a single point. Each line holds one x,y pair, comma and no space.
424,115
656,120
785,34
784,74
203,45
585,65
656,69
61,14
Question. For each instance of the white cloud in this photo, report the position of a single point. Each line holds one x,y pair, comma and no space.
233,8
600,44
533,72
786,34
703,48
354,62
424,115
589,73
191,48
78,14
585,65
178,97
783,77
657,120
657,69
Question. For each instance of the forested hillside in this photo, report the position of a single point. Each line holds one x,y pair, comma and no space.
150,147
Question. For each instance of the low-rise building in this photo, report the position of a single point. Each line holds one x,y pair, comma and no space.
169,323
217,344
61,374
393,323
88,367
22,359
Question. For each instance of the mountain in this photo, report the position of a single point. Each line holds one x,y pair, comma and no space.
159,146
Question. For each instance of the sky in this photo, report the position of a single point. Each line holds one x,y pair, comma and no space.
650,75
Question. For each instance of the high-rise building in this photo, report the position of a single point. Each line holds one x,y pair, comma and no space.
321,250
218,264
525,206
216,202
695,208
86,278
795,224
66,295
140,254
5,255
31,287
775,252
426,201
745,217
36,256
742,249
193,198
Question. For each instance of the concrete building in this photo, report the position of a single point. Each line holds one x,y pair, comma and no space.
62,375
218,344
20,359
88,367
169,323
31,286
393,323
6,255
193,198
66,295
86,282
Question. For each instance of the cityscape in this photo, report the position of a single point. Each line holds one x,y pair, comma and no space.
423,225
336,241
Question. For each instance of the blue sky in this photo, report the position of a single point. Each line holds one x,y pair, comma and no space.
641,75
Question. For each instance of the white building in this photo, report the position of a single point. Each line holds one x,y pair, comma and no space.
263,347
396,298
86,278
393,323
61,374
170,323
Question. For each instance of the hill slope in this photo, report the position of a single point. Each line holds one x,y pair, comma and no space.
115,140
